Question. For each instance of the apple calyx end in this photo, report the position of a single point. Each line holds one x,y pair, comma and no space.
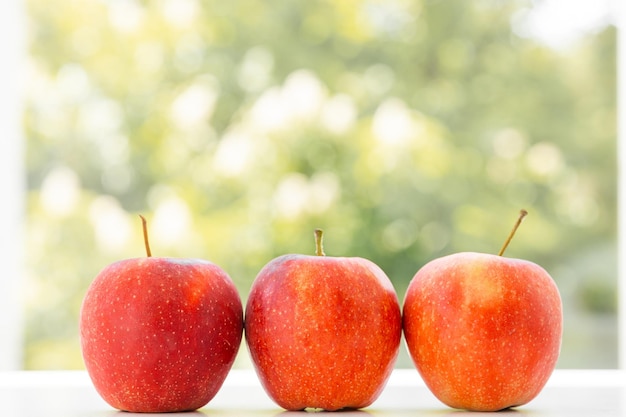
523,213
146,241
319,244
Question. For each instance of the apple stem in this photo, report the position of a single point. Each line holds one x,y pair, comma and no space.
522,214
319,246
144,224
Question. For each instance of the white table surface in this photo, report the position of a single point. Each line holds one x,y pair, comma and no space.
70,394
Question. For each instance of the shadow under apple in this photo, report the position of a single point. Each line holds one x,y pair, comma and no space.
346,412
507,412
194,413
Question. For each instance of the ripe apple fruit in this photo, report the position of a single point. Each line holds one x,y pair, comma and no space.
160,334
323,332
484,331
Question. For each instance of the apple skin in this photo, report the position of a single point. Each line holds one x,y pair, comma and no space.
323,332
484,331
160,334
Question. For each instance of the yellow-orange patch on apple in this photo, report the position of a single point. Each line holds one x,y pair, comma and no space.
484,331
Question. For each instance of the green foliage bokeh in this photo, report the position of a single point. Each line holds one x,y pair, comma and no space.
406,129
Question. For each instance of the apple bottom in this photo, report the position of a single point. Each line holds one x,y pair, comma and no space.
152,393
320,389
486,389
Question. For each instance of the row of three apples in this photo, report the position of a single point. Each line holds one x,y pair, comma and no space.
161,334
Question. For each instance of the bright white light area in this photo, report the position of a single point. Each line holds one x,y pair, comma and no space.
180,13
298,100
560,23
12,182
196,103
545,159
126,15
112,227
60,192
394,124
171,222
339,114
297,195
234,153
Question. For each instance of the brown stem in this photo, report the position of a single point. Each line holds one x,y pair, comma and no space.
522,214
144,224
319,247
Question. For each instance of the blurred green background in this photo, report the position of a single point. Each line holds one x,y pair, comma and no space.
406,129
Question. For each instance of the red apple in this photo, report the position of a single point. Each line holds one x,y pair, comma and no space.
323,332
160,334
484,331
